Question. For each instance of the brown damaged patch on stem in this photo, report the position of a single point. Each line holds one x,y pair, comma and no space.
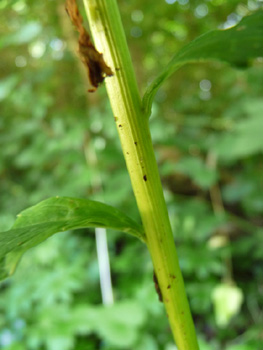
92,59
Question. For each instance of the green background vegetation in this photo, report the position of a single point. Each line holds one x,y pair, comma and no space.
207,127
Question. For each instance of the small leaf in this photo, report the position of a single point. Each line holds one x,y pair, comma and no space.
236,46
36,224
227,299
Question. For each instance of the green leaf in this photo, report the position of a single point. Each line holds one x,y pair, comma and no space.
236,46
22,36
198,171
111,322
7,85
245,139
57,214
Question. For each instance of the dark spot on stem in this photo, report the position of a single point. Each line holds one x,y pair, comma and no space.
144,177
157,288
135,143
120,125
169,286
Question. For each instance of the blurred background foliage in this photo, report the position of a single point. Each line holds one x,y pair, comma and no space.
56,139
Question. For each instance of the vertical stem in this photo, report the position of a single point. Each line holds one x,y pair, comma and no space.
104,266
133,129
100,233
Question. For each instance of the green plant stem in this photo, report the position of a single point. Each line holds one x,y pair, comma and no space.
133,129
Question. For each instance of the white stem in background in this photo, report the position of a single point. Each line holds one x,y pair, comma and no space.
100,233
104,266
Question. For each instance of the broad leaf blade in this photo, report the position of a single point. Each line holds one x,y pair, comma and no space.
236,46
36,224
